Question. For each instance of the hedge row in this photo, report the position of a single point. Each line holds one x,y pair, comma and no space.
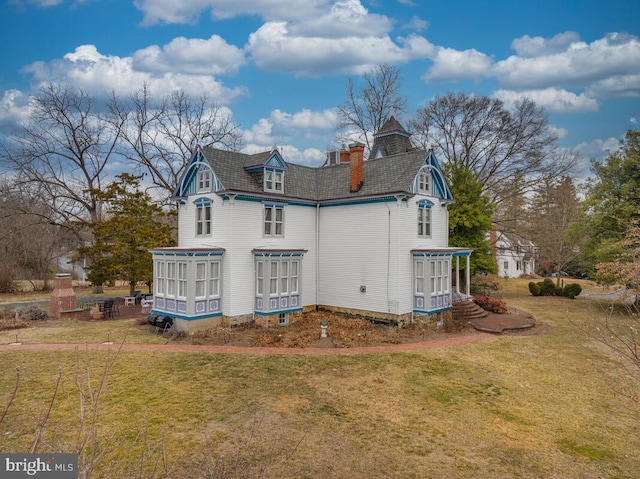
548,288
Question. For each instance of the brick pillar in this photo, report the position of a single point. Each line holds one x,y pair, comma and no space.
63,297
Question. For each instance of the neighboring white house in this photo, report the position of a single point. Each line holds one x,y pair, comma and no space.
514,255
260,237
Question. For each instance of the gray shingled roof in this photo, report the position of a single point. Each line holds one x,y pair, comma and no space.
391,139
391,174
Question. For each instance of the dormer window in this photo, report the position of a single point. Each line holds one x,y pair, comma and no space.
424,185
204,180
274,181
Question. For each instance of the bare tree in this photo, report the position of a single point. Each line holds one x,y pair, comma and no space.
498,145
61,153
365,110
29,245
553,209
161,137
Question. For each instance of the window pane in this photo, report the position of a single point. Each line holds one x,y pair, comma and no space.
420,285
273,288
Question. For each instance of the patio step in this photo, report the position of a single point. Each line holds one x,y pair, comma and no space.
467,310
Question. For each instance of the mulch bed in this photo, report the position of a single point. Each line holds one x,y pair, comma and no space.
342,332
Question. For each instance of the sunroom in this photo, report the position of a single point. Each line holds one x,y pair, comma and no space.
187,284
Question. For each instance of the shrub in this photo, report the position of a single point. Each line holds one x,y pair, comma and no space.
482,283
490,304
572,290
33,313
547,287
534,289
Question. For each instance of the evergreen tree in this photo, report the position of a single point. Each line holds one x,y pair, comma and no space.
121,245
470,217
612,201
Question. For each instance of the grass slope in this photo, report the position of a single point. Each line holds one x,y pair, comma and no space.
542,406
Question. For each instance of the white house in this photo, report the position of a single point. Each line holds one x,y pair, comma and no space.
260,237
515,255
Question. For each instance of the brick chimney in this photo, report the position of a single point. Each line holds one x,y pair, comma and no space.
63,298
356,168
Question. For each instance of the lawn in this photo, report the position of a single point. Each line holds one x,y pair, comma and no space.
521,406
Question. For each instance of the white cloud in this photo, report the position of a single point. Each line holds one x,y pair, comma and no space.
274,48
624,86
346,18
531,47
416,23
195,56
597,149
99,74
282,127
578,64
554,100
453,65
291,154
179,11
14,108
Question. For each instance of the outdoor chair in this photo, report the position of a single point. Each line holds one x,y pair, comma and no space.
107,309
146,305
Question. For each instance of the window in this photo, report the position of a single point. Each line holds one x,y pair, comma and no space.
214,279
259,278
204,180
284,278
203,219
182,280
201,278
420,277
277,277
160,277
273,280
273,220
424,222
294,276
424,183
506,265
171,278
283,319
274,181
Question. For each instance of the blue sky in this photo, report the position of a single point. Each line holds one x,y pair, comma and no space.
280,66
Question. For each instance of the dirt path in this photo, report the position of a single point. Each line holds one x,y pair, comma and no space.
259,351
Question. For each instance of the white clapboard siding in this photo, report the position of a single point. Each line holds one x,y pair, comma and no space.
238,227
355,243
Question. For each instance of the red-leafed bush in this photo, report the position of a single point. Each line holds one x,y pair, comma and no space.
490,304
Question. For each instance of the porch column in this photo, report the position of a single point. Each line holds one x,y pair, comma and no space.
468,275
458,275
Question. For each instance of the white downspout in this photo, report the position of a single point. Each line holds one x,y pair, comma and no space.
317,254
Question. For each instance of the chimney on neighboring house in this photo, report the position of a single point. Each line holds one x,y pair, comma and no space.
344,155
356,168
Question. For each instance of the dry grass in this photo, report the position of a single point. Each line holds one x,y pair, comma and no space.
525,406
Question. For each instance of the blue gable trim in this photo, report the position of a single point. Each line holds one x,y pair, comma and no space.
425,204
438,181
274,162
187,184
202,202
